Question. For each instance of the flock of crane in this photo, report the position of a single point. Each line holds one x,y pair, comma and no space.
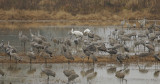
87,44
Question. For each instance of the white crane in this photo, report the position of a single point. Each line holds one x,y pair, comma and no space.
87,31
77,33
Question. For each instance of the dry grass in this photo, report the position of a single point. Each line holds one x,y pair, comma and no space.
61,15
62,18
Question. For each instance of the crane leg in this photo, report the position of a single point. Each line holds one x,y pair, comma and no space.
48,77
30,60
10,58
24,46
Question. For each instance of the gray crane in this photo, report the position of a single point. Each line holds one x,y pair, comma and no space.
23,38
37,46
88,51
15,56
91,76
69,56
121,57
70,74
112,69
1,44
49,72
102,47
72,77
67,73
31,55
121,74
150,47
1,72
45,56
157,58
134,25
94,58
122,23
47,50
42,37
112,51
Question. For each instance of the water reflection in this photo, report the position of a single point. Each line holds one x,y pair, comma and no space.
88,74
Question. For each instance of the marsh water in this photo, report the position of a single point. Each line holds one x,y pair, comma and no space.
24,74
51,32
32,74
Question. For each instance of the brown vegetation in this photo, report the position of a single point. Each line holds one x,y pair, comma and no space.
78,9
62,59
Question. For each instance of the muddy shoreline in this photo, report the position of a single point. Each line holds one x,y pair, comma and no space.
25,24
61,59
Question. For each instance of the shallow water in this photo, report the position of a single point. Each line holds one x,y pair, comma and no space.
23,74
50,32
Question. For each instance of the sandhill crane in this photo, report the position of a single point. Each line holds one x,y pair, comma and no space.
49,72
15,56
142,23
112,69
141,35
1,72
91,76
1,44
112,52
23,38
91,70
68,55
122,23
124,38
77,33
47,50
142,70
102,47
68,42
150,47
37,46
88,51
128,25
91,35
134,25
31,55
72,77
68,72
94,58
94,37
126,49
11,47
156,73
145,54
157,58
45,56
152,37
117,46
121,32
47,44
121,57
112,41
36,38
42,37
97,37
120,74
